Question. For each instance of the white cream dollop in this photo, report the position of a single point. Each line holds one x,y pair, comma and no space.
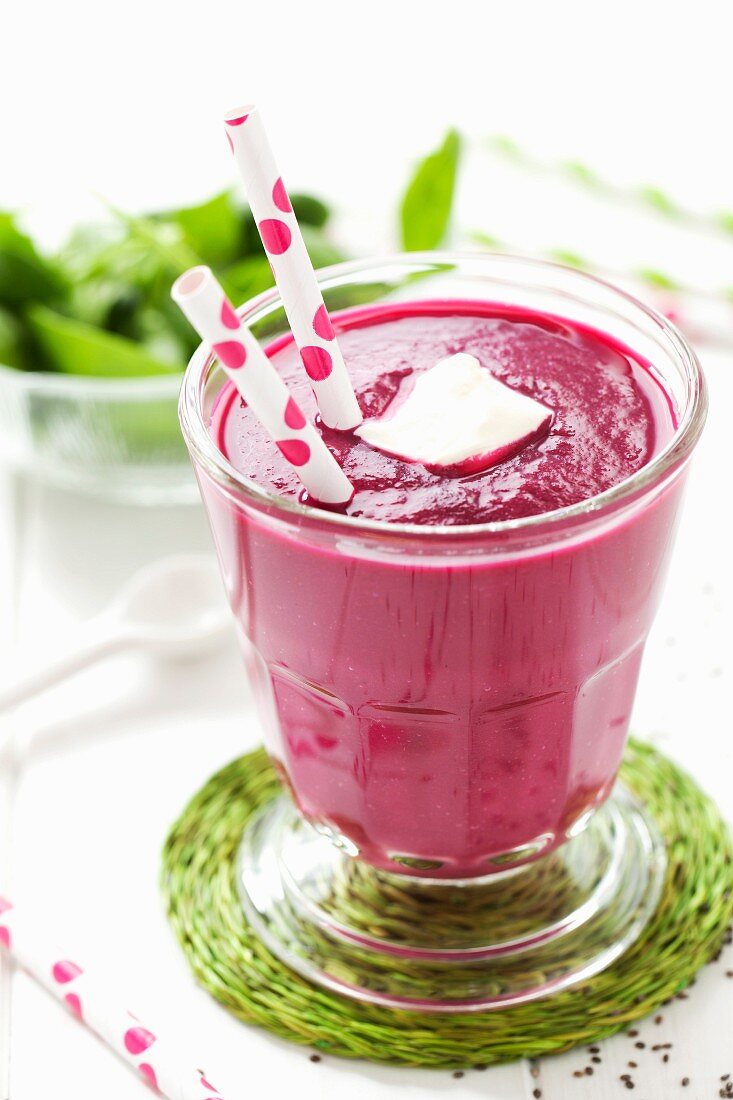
457,418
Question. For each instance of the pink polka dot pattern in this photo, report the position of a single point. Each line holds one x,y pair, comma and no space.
296,451
5,936
229,318
322,324
65,971
280,197
74,1004
148,1072
4,905
237,121
276,236
138,1039
293,416
232,354
317,362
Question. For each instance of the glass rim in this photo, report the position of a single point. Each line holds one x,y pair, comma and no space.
669,458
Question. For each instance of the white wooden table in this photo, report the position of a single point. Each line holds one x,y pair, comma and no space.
102,766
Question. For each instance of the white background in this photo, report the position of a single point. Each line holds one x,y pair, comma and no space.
125,101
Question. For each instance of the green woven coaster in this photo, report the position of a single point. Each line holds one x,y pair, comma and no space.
199,884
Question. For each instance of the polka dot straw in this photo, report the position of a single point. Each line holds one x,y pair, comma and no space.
292,268
201,298
159,1063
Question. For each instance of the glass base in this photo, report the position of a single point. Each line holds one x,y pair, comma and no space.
437,945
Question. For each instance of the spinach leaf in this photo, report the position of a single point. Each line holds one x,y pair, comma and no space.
213,229
428,201
159,241
310,211
11,340
247,278
75,348
24,274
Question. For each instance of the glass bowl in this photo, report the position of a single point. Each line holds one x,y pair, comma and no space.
117,437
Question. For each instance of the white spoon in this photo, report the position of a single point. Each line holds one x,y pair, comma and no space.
173,608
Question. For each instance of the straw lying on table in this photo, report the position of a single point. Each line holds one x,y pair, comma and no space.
159,1063
292,269
203,301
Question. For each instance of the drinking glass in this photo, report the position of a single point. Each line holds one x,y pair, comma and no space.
447,707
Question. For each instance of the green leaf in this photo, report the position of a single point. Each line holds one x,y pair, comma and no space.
581,173
11,341
485,239
212,229
84,252
570,259
164,341
657,278
75,348
144,256
657,198
725,221
170,248
506,146
108,303
428,201
310,211
247,278
25,276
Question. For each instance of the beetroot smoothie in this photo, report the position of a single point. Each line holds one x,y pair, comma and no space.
447,709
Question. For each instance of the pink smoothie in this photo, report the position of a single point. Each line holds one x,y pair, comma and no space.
439,705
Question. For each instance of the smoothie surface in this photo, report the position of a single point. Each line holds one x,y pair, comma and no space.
610,414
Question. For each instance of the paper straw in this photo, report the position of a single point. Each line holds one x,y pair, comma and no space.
292,269
204,303
159,1063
